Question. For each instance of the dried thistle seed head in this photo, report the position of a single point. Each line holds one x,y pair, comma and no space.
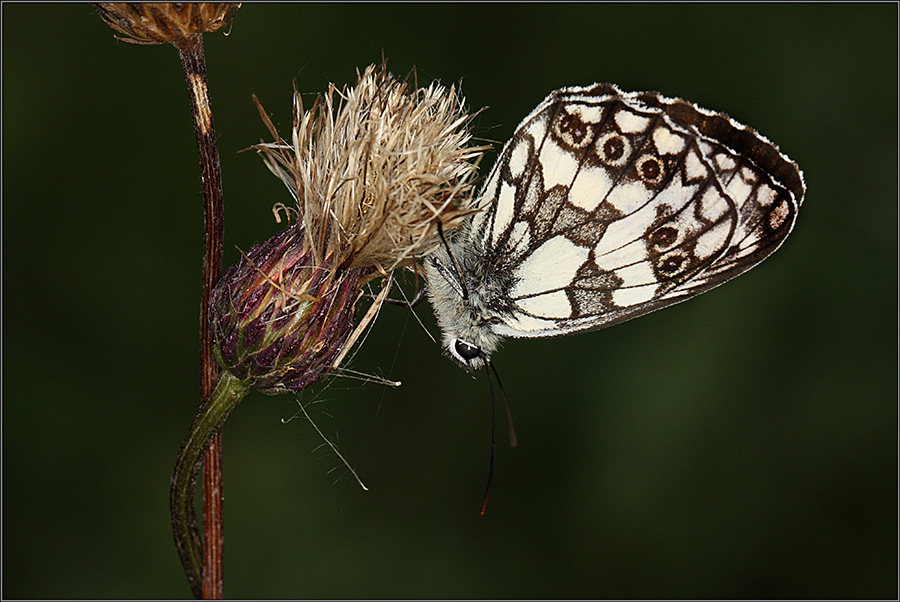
161,22
373,176
374,171
279,318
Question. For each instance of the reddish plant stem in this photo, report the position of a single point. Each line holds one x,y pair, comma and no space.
194,62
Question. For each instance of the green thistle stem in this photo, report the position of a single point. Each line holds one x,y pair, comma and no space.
227,395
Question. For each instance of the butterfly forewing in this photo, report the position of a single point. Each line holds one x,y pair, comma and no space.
605,205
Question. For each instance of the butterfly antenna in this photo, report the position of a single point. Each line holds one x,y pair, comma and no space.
513,440
490,483
456,268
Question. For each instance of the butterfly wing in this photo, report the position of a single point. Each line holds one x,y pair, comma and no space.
606,205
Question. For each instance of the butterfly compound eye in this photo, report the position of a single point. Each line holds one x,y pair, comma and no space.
465,350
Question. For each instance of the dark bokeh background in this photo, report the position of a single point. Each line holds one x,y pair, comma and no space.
740,445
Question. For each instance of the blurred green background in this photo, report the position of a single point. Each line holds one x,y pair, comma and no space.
740,445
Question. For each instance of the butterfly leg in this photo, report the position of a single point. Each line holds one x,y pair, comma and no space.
420,295
415,301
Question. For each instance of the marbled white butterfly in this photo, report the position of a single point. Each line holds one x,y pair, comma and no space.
604,206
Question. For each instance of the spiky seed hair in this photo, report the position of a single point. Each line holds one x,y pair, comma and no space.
375,170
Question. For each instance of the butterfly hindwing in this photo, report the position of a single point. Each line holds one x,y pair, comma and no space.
604,206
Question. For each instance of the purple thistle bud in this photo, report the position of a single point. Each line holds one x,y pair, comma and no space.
278,320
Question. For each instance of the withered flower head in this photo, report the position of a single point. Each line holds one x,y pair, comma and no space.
374,172
372,178
161,22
